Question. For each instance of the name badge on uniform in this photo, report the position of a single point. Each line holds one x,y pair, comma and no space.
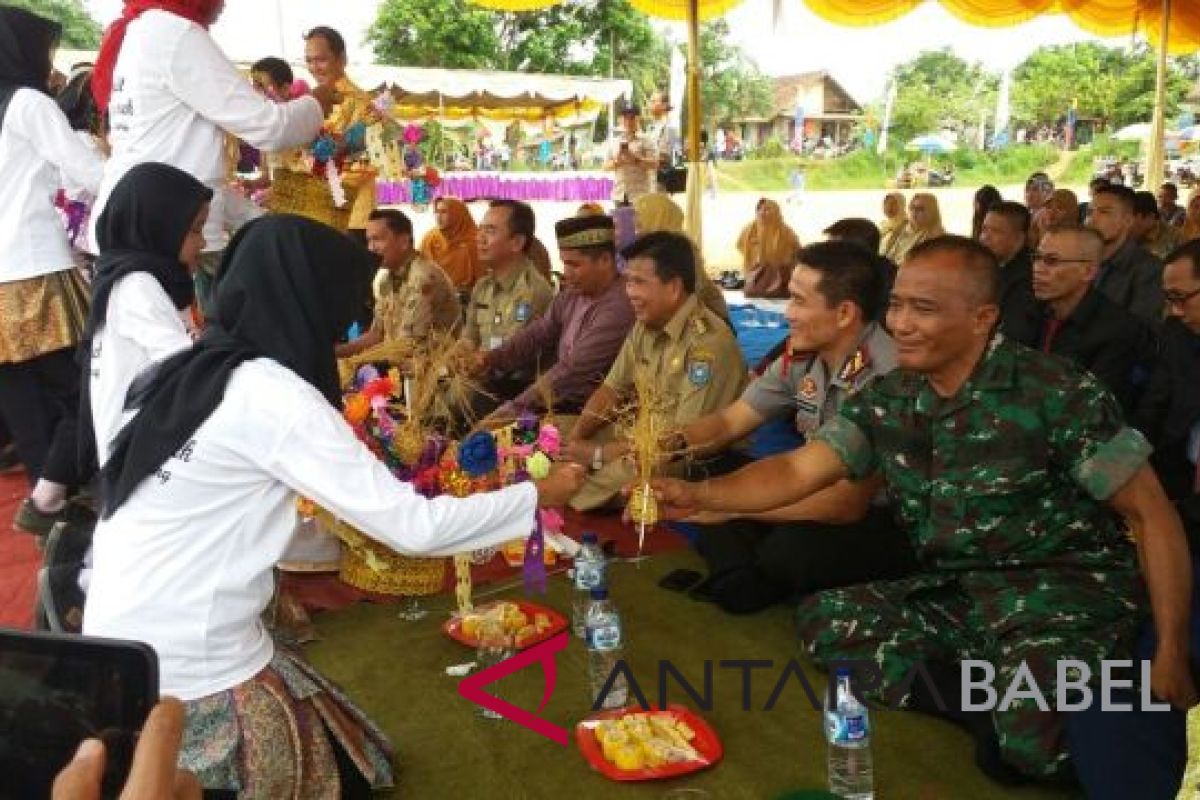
494,342
524,312
699,372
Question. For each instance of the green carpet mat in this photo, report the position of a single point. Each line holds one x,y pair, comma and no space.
395,670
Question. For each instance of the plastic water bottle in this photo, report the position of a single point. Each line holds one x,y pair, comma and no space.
605,644
848,731
590,573
495,645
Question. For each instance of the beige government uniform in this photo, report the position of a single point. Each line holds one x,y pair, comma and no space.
414,301
700,370
501,307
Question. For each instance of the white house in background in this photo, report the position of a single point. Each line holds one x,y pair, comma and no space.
829,110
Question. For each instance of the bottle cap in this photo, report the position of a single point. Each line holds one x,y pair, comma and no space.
843,672
590,537
600,593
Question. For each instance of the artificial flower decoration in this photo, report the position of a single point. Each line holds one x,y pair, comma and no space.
477,454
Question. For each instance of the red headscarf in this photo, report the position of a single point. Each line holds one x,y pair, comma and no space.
198,11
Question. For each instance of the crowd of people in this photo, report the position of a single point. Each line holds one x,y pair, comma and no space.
1000,432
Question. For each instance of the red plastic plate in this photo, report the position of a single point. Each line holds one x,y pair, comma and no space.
706,743
558,624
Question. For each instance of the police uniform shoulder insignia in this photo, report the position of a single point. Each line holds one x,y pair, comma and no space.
855,365
808,388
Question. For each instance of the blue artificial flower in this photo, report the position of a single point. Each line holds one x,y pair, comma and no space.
324,148
356,137
477,454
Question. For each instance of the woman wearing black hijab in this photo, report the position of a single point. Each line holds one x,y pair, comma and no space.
150,237
43,300
199,504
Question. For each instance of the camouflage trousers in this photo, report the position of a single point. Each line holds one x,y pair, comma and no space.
1031,617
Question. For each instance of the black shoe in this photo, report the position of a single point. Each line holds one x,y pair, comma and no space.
69,540
60,599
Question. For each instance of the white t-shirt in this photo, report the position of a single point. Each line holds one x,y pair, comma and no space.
185,564
141,326
37,148
175,94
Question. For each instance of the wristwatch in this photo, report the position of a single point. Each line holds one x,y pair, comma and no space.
598,458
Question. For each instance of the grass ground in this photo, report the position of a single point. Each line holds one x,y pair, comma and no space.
395,671
866,170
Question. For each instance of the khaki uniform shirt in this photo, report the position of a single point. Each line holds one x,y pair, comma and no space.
415,301
695,357
500,308
699,370
802,385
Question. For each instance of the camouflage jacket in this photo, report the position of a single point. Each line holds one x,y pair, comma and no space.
1011,472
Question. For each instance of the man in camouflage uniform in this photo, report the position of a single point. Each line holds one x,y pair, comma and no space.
686,351
835,349
413,297
1006,466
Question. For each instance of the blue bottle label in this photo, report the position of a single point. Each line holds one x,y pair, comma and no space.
588,575
604,637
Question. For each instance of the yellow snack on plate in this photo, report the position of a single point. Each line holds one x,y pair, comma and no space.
629,757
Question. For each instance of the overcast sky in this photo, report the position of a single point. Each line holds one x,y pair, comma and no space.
250,29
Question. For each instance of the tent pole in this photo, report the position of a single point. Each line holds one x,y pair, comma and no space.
1154,153
693,81
696,164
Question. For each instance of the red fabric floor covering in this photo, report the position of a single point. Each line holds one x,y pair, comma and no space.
324,592
19,557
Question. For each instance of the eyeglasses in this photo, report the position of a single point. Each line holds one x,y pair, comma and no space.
1052,261
1179,298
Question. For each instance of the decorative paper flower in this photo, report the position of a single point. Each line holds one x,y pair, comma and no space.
384,102
538,466
379,388
477,454
549,440
413,134
456,483
433,177
324,148
356,137
366,373
552,520
358,408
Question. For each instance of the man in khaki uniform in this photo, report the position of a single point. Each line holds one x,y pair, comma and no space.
511,294
688,349
413,297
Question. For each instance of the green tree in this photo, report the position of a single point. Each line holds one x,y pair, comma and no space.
731,85
936,90
576,38
1114,84
80,31
451,34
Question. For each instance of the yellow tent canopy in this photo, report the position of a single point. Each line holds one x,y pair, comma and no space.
1107,18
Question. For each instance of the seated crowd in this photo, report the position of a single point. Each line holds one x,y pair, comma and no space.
1000,459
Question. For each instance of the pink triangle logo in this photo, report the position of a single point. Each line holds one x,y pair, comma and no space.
471,687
